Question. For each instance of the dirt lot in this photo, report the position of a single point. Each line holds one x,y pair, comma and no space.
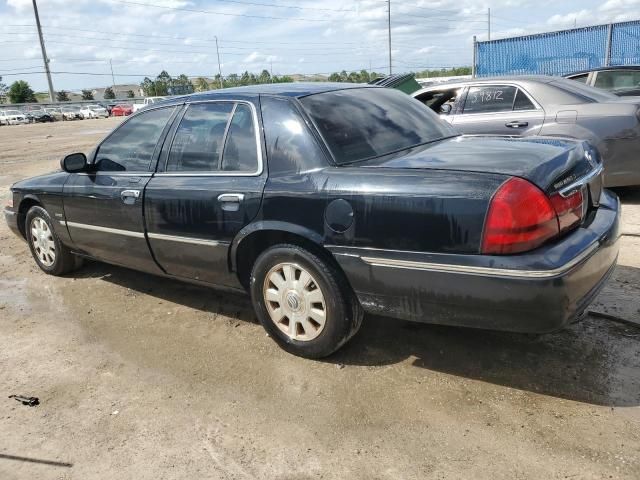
141,377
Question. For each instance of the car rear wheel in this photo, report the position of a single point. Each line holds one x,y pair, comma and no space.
303,301
48,251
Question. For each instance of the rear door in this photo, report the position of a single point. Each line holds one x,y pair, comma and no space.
499,110
103,210
209,185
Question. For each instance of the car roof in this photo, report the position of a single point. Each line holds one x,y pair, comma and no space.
600,69
296,90
505,78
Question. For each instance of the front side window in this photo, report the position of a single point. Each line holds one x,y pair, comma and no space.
618,79
441,101
490,99
361,123
130,147
215,137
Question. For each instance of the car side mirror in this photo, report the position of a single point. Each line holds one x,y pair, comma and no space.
445,109
74,163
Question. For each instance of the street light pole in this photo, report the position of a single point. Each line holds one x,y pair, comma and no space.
389,30
219,67
44,53
113,79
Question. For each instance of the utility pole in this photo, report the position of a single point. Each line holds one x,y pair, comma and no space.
488,23
389,28
219,67
113,79
44,53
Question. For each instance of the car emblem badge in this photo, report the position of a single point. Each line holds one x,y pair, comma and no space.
293,302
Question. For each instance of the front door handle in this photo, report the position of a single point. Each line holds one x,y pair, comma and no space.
129,197
230,201
516,124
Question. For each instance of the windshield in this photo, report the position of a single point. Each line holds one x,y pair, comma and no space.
583,91
369,122
13,112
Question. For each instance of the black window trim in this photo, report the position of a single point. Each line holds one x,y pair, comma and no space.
156,151
254,113
536,105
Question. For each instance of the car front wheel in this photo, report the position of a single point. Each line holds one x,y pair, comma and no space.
48,251
303,301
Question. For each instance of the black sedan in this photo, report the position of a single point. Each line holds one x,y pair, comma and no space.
324,201
39,116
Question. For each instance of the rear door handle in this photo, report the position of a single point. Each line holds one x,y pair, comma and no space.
516,124
230,201
129,197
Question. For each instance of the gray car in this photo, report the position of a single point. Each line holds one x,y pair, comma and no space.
547,106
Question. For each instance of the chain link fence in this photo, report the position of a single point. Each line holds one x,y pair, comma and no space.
560,53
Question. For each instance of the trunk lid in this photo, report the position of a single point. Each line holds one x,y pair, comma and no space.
552,164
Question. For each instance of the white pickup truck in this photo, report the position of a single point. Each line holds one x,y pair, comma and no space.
147,101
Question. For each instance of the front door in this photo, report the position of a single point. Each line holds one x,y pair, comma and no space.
499,110
209,185
103,209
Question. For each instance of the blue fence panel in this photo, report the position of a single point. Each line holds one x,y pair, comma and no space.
625,43
555,53
559,53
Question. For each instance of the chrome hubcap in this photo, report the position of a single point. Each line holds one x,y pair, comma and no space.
295,302
42,240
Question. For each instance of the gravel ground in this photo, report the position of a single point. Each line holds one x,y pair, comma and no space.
142,377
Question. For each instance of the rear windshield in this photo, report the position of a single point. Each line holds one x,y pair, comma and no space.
363,123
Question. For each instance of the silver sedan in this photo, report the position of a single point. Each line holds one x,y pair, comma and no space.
548,106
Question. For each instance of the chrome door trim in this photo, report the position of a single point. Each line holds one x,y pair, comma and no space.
469,269
116,231
191,240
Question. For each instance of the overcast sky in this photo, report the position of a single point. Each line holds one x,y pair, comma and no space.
142,37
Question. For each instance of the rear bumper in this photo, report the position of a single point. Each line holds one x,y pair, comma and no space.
536,292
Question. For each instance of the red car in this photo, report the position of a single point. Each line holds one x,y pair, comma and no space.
121,110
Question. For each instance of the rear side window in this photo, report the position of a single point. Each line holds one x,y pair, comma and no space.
522,102
130,147
214,137
197,145
488,99
580,78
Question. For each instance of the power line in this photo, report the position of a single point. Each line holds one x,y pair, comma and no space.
210,12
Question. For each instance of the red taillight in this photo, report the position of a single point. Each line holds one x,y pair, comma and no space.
569,209
520,218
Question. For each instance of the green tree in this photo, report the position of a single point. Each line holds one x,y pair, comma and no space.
87,95
148,87
265,77
3,91
109,93
162,83
334,77
62,96
20,92
130,94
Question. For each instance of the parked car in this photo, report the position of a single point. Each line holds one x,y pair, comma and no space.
108,105
623,81
94,111
146,102
71,113
122,109
324,200
55,112
550,106
12,117
39,116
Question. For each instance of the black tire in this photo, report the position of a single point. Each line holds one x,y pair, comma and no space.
64,261
343,311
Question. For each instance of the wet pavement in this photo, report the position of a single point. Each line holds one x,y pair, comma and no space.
143,377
